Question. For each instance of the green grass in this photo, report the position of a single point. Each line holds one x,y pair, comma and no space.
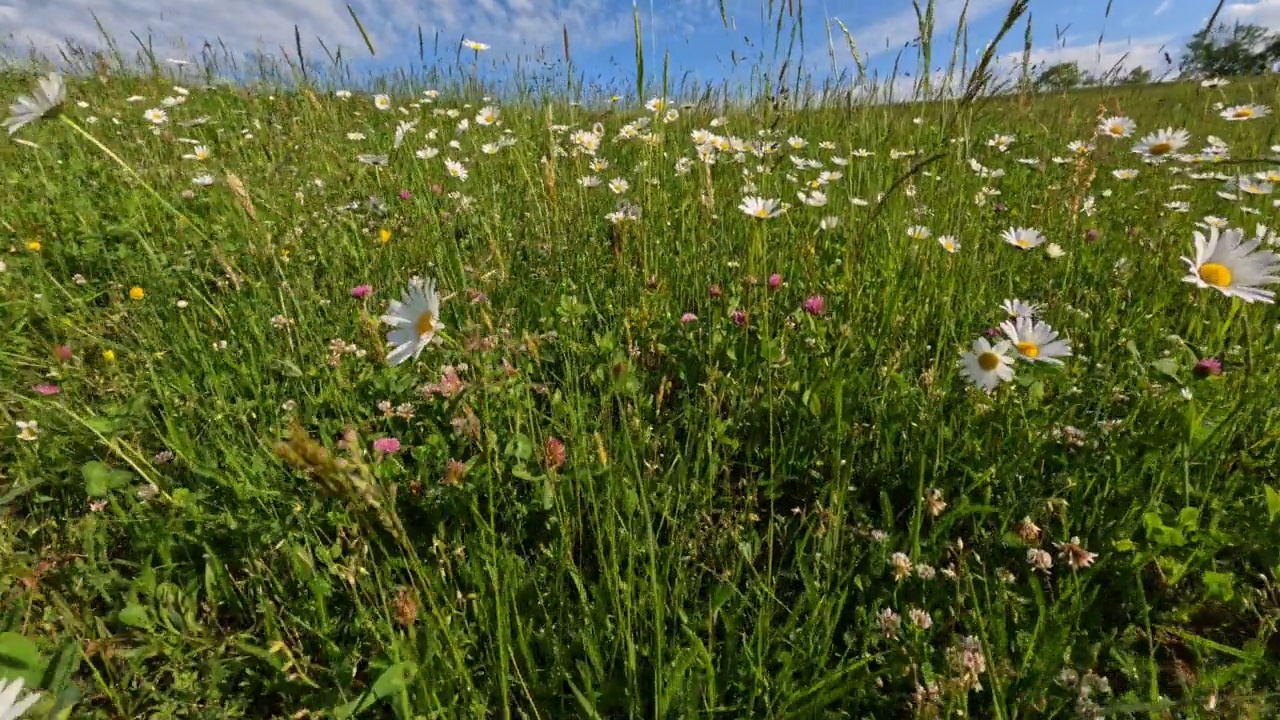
718,541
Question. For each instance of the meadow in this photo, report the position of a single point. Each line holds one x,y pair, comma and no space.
331,404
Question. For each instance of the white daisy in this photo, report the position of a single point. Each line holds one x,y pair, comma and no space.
1016,308
1233,266
759,207
1162,143
488,115
414,321
919,232
11,708
1036,341
456,169
1116,126
199,152
1245,112
50,91
987,365
1023,238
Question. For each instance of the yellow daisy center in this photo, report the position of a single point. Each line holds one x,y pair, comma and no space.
426,324
1215,274
949,246
1029,349
1116,129
989,361
1021,242
761,212
1161,148
1243,113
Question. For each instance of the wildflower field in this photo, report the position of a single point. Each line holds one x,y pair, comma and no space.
325,404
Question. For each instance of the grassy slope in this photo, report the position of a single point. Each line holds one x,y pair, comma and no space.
708,546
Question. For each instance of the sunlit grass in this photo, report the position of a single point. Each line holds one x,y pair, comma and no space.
667,456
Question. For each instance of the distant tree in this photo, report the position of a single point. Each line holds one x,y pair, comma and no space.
1239,50
1137,76
1061,76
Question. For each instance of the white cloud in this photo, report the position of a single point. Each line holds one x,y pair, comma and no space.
1098,58
1263,12
180,29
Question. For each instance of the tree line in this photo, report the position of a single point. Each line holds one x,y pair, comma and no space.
1221,51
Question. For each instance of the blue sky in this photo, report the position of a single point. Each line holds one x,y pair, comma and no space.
1137,32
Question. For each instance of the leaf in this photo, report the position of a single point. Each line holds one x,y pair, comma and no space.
1167,366
1132,347
135,615
771,350
519,447
814,402
20,658
1273,502
1151,520
393,680
100,478
102,425
1189,518
1219,585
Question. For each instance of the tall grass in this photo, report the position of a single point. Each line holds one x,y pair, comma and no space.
685,464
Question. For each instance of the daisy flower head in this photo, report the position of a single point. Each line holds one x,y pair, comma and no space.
987,365
1245,112
949,243
414,320
1036,341
456,169
11,707
1023,238
1117,126
918,232
488,115
1016,308
475,45
49,93
382,102
1162,143
1233,266
759,207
